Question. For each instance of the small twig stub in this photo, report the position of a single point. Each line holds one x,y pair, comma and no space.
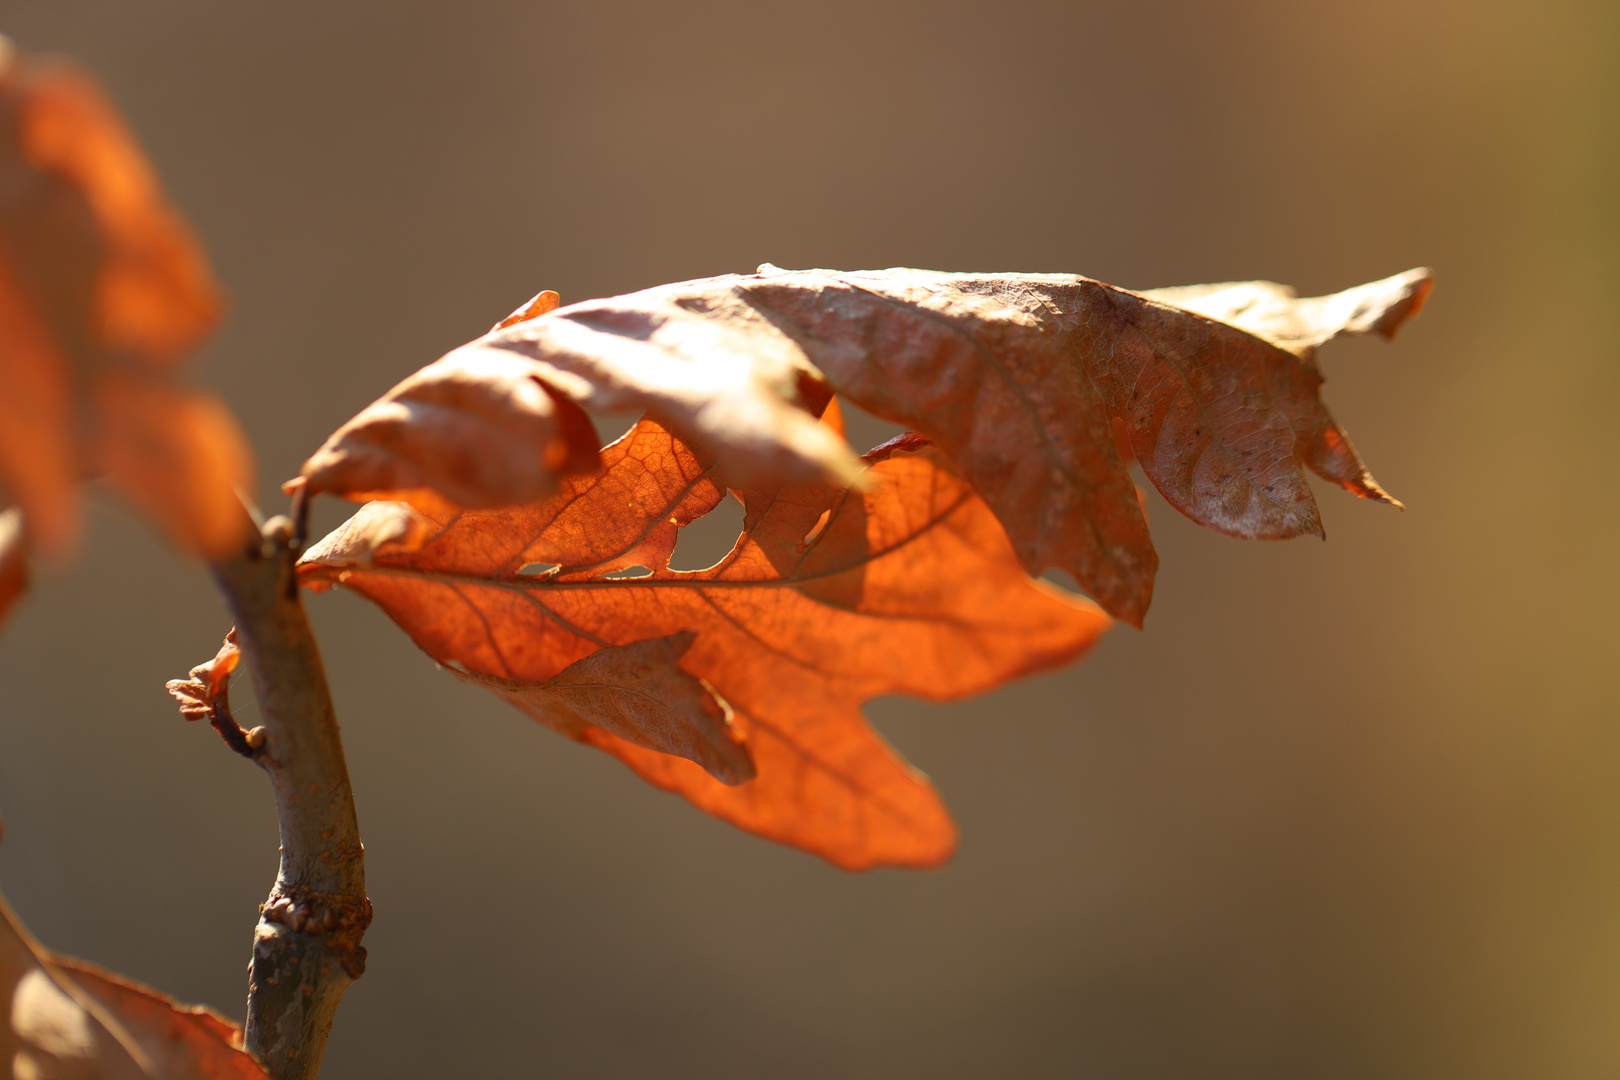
206,695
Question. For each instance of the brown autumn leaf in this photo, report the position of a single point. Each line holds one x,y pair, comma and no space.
1272,311
830,597
64,1018
206,695
1022,379
752,399
207,683
103,292
474,429
638,693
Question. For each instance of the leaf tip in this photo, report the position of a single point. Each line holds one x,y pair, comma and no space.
1417,284
543,301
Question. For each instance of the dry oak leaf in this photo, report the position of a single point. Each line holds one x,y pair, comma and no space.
206,695
474,429
103,292
1272,311
201,691
65,1018
832,595
751,398
637,693
1020,378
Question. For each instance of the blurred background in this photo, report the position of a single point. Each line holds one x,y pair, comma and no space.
1343,810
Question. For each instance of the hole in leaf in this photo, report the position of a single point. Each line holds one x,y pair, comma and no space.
1062,579
612,425
455,664
628,572
863,430
535,569
817,528
710,538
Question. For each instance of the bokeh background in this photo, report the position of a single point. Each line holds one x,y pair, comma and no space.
1343,810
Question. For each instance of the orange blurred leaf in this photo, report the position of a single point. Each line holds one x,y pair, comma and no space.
155,298
103,292
174,452
830,597
66,1018
39,456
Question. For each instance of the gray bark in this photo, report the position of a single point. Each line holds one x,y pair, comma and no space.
306,947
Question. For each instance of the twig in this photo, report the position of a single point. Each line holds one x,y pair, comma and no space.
299,513
207,694
306,948
244,742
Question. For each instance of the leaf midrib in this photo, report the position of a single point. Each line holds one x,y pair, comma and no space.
518,584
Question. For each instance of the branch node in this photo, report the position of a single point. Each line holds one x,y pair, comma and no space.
338,920
306,946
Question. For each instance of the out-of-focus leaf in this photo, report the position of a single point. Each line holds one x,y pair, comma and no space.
39,455
176,453
103,292
13,560
64,1019
154,297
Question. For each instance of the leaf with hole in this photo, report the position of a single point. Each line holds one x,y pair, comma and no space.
831,596
1021,379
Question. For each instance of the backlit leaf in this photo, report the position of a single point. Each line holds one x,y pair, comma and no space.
1024,380
830,597
637,693
478,428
